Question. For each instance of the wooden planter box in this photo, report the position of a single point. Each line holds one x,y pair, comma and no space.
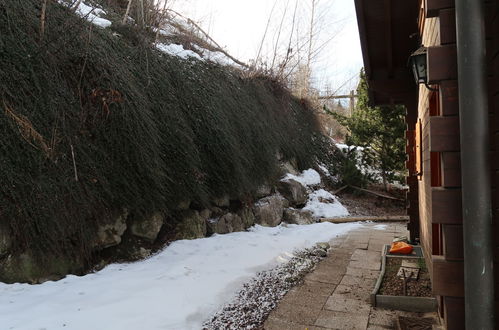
403,303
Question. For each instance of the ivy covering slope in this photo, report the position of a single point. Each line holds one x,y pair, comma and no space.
93,121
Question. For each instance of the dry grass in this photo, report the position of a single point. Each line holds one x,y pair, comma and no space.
29,133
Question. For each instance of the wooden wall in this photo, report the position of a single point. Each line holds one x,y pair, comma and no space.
440,193
430,37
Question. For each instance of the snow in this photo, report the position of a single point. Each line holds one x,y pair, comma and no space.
323,204
308,177
91,14
344,147
178,288
166,30
380,227
325,170
177,50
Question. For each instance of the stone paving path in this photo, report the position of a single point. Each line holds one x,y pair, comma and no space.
336,294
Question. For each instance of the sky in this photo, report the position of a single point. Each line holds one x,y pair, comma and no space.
239,26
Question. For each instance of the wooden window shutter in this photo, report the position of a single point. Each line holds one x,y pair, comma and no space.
419,158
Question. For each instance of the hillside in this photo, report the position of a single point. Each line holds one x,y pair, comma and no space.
101,132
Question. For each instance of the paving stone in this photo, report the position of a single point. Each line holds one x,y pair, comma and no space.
349,280
279,324
355,245
341,252
318,288
336,295
340,303
334,266
354,292
371,265
336,242
376,245
337,263
365,255
296,314
342,289
383,236
358,238
325,276
304,298
379,327
338,320
364,273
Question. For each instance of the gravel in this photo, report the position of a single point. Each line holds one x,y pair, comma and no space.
260,296
393,285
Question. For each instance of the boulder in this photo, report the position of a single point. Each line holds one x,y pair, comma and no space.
298,217
109,233
284,201
141,253
323,245
268,211
287,167
293,191
320,249
28,267
247,216
216,212
223,201
205,214
183,205
263,191
148,227
5,240
191,226
319,252
227,223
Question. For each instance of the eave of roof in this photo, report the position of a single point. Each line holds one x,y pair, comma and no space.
388,34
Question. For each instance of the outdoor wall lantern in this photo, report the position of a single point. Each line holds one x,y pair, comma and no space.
418,64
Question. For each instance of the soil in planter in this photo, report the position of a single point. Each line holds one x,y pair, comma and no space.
393,285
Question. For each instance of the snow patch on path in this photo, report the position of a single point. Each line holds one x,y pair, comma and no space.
178,288
380,227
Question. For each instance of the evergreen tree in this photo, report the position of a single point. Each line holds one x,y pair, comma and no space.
380,130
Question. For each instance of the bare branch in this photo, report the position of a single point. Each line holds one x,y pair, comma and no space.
265,33
42,18
127,12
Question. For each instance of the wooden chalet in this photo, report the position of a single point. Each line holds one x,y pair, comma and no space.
455,240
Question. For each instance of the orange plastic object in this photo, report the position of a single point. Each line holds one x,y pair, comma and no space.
401,248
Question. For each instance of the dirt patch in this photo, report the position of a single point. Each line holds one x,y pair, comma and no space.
393,285
365,204
415,323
